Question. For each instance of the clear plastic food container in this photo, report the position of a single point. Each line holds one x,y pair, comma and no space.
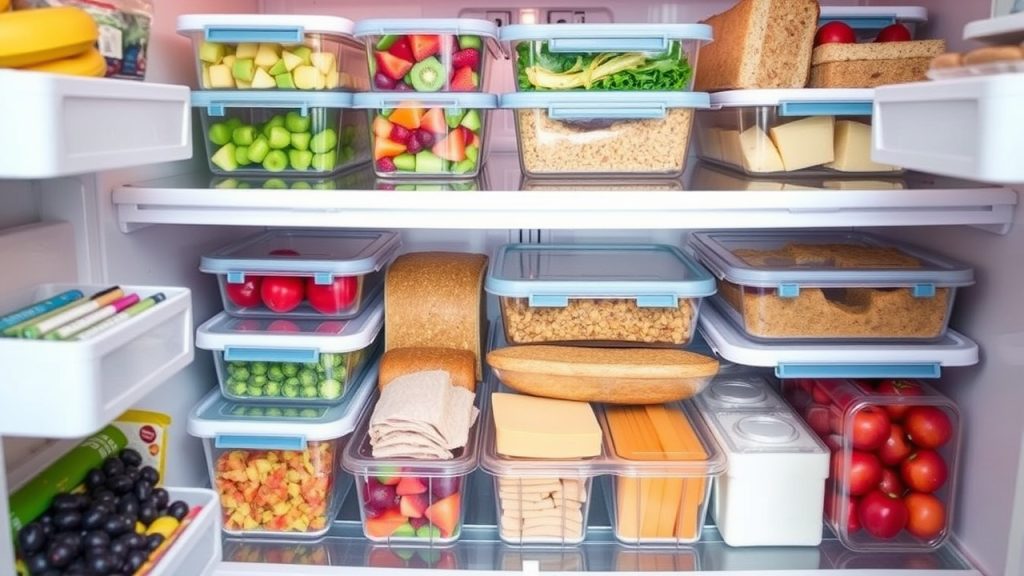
432,135
624,57
773,491
627,294
598,185
315,134
714,177
840,286
296,274
274,52
615,133
822,132
287,362
361,178
895,446
277,468
867,21
428,54
268,552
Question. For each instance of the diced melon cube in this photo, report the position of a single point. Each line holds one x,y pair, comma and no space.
302,52
220,77
263,81
323,61
267,56
206,76
243,85
291,60
332,80
307,77
211,52
246,50
228,60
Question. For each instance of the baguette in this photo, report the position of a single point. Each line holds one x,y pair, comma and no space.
459,364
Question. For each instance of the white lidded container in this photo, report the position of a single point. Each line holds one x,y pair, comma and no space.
773,490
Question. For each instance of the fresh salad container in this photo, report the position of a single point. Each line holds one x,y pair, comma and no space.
895,447
428,54
314,134
615,133
274,52
806,132
625,57
432,135
627,294
774,489
287,362
838,286
277,469
868,21
302,274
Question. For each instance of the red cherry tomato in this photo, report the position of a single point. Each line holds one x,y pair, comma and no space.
334,297
817,419
891,483
863,475
281,293
900,388
926,515
882,515
821,395
246,294
928,426
896,447
924,471
870,428
894,33
835,32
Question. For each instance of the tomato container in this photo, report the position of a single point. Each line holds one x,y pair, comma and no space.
274,52
868,21
895,448
833,285
623,57
302,274
803,132
773,490
428,54
427,135
277,468
291,361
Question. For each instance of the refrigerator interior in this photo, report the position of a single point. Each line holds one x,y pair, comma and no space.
989,524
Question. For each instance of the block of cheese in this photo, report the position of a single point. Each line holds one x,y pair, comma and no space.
758,151
436,300
531,427
805,142
853,149
711,143
459,364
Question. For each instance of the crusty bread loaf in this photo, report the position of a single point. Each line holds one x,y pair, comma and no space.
459,364
872,64
759,44
829,255
436,300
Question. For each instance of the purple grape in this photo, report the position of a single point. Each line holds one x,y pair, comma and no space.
425,138
381,496
382,81
413,146
403,87
444,487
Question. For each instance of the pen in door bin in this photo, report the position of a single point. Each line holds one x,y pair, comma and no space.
39,308
122,317
89,320
97,301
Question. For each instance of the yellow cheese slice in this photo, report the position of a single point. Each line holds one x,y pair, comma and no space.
532,427
804,143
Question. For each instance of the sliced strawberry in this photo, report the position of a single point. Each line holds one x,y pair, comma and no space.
467,134
464,80
469,57
424,45
392,66
452,148
434,121
402,135
384,148
402,49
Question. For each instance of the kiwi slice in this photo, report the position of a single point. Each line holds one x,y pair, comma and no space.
427,75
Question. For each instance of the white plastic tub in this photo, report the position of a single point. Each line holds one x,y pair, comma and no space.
198,549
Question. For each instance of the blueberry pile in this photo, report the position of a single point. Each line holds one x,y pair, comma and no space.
110,529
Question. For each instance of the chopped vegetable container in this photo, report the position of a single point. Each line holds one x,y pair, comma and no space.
830,285
298,274
428,54
432,135
627,57
629,294
286,362
296,134
274,52
895,448
614,133
781,132
277,469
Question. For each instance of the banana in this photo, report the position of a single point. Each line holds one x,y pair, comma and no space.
4,5
88,63
30,37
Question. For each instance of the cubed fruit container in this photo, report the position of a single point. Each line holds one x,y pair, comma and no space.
314,134
662,462
626,57
838,286
291,361
773,491
274,52
895,447
624,294
358,178
805,132
868,21
277,468
302,274
427,135
428,54
614,133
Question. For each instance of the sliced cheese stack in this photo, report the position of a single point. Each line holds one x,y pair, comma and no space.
540,508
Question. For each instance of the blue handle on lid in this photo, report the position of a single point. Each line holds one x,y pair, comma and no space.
852,108
243,442
599,112
924,291
624,44
294,355
788,290
922,370
252,34
861,22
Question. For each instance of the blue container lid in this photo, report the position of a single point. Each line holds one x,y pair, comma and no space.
656,275
576,104
216,101
610,34
424,100
460,26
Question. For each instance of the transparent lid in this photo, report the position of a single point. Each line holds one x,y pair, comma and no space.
740,392
656,275
235,335
460,26
828,258
325,253
374,100
235,424
606,104
611,37
772,432
287,28
801,101
871,17
217,101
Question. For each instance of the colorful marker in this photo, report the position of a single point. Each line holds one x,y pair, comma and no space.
97,301
89,320
123,317
40,308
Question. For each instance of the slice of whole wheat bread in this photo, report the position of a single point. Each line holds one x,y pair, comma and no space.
877,51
